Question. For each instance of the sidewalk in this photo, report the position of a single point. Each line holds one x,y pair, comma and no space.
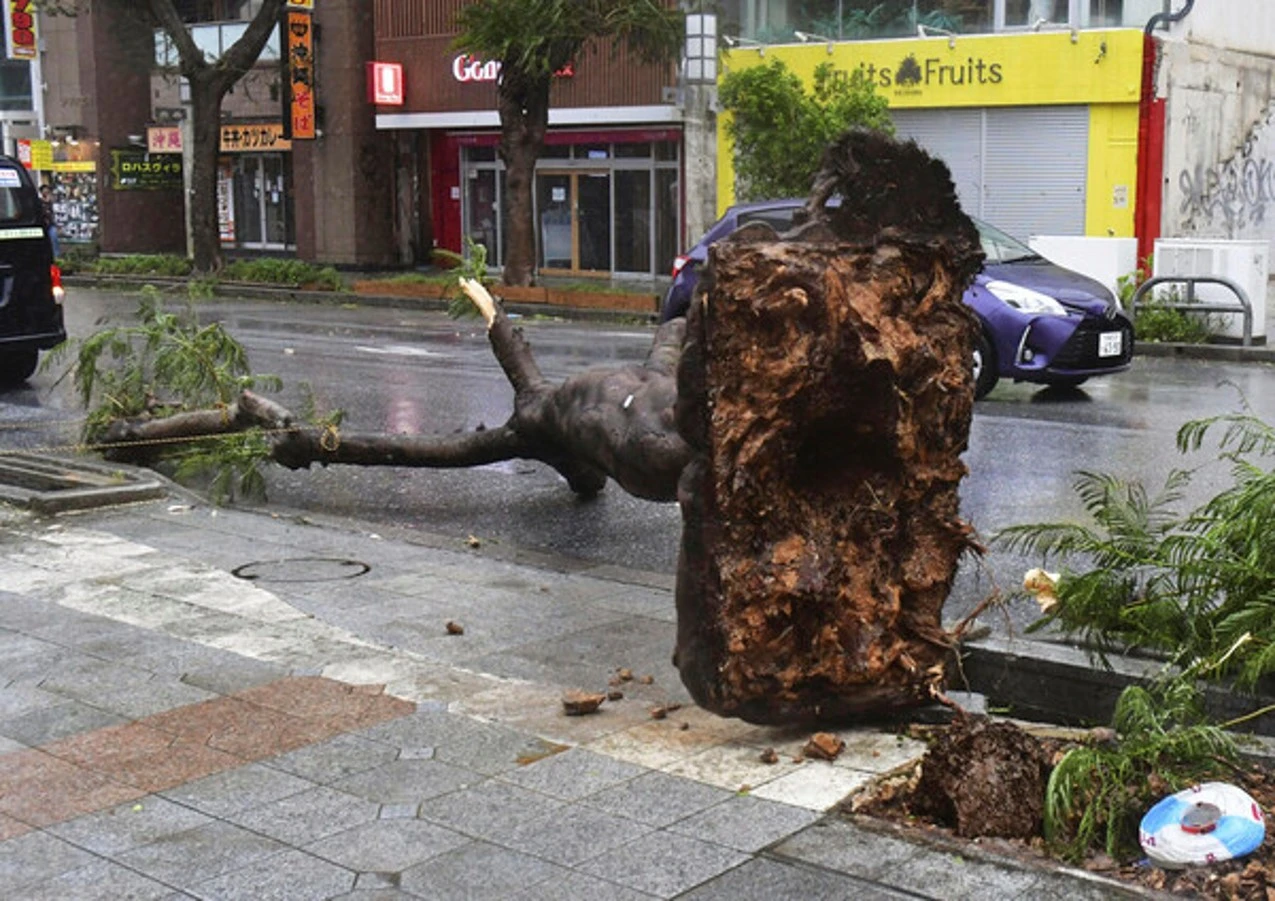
314,731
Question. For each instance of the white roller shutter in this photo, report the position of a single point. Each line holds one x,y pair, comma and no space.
1023,169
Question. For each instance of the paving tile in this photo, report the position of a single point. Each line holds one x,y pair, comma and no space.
18,699
816,786
248,731
573,774
491,810
579,886
732,766
387,846
839,845
35,857
345,707
334,759
129,825
959,878
573,834
664,864
224,672
407,781
764,878
290,876
11,828
478,872
137,754
242,788
46,724
657,799
100,880
186,859
40,790
308,816
745,823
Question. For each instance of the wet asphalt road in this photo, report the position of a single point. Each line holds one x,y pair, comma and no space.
403,371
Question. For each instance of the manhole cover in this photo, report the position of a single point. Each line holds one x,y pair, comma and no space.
301,569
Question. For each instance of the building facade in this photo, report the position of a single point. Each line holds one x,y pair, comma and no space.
608,187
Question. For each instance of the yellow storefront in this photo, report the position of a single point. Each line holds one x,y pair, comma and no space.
1040,129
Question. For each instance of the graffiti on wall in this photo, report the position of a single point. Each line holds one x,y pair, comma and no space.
1232,196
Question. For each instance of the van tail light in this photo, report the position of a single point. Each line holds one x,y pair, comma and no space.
679,263
55,276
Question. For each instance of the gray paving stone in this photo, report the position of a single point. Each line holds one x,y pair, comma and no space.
334,759
35,857
663,864
407,781
188,858
764,878
130,825
657,799
225,672
290,876
486,748
573,774
16,700
38,727
841,846
307,816
242,788
375,894
135,702
952,876
1078,887
573,835
86,676
580,887
478,872
387,846
491,810
98,881
746,823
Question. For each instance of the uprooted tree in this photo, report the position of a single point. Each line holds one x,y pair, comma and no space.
809,417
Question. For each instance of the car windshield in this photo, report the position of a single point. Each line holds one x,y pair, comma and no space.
1001,248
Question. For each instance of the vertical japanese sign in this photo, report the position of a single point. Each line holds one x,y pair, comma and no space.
19,30
299,75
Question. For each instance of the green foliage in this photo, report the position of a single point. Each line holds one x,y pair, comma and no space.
1197,588
473,265
780,131
1153,321
139,264
231,464
165,364
281,271
1097,794
535,38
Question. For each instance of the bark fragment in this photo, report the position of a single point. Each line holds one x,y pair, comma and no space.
826,393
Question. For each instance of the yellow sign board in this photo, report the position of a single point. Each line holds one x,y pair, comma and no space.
1055,67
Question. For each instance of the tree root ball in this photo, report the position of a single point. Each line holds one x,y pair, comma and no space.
984,779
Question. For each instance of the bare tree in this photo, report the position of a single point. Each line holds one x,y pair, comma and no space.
210,80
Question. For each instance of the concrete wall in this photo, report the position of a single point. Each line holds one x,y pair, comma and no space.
1219,142
1247,26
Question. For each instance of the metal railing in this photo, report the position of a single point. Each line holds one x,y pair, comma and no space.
1242,306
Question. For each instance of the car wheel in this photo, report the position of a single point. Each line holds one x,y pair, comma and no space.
985,374
17,366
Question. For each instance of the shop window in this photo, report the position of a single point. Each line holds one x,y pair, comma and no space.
15,85
640,151
481,154
593,151
1035,13
666,151
556,151
633,220
668,203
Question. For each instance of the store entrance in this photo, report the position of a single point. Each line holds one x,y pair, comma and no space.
263,202
573,212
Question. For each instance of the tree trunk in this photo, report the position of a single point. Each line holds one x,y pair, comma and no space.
524,119
205,109
825,390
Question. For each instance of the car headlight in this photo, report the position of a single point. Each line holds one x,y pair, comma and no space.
1026,300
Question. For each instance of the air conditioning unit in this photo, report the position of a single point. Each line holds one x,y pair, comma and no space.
1244,262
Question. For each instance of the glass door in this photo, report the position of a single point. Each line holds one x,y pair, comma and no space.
262,202
573,215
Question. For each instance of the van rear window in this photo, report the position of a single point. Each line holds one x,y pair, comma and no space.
11,196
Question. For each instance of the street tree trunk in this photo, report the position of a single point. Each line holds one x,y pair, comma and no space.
524,119
809,419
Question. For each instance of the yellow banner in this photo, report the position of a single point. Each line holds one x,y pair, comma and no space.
254,136
74,166
978,70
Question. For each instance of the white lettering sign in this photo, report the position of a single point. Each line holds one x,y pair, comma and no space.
469,68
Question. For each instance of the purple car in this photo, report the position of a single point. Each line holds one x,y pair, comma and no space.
1041,323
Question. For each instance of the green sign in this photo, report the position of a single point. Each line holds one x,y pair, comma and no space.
140,170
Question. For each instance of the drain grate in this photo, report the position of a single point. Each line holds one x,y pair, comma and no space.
54,485
301,569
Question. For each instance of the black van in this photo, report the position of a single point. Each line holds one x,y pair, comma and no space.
30,284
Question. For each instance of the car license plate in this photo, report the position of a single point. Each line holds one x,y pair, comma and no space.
1110,344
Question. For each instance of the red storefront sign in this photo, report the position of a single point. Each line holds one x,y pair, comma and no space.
21,31
385,83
